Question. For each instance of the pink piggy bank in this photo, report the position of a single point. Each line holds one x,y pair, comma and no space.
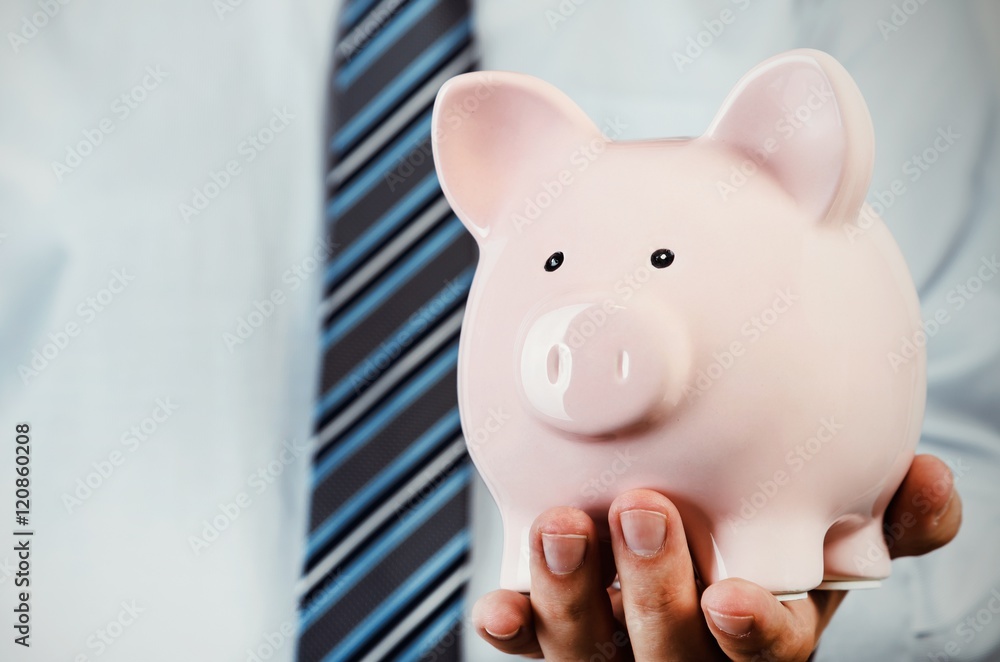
718,318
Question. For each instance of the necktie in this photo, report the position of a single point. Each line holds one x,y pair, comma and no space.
387,550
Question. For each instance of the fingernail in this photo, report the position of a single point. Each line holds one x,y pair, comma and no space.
644,531
502,637
563,551
735,626
944,509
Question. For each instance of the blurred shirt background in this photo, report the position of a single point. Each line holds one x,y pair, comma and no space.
161,243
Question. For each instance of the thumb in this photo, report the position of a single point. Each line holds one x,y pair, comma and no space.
751,624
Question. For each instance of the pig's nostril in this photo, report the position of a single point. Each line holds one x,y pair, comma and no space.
552,364
623,366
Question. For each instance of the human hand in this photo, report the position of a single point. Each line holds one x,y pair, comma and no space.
661,613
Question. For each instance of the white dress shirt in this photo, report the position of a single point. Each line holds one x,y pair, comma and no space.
154,292
160,187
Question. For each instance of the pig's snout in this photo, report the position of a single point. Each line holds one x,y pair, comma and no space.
596,369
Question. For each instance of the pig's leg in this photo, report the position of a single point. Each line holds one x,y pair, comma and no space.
855,554
784,556
514,566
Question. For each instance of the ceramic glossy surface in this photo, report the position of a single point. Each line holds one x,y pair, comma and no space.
721,319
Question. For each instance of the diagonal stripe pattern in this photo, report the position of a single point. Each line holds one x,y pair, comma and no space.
388,543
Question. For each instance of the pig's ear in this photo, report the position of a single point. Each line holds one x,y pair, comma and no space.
499,136
802,115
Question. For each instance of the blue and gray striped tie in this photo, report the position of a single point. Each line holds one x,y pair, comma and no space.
387,553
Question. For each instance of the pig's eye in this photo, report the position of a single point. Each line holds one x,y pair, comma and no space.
554,262
662,258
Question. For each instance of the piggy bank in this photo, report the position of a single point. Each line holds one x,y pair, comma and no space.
720,319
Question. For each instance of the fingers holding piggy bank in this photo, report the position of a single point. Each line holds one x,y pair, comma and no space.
717,319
